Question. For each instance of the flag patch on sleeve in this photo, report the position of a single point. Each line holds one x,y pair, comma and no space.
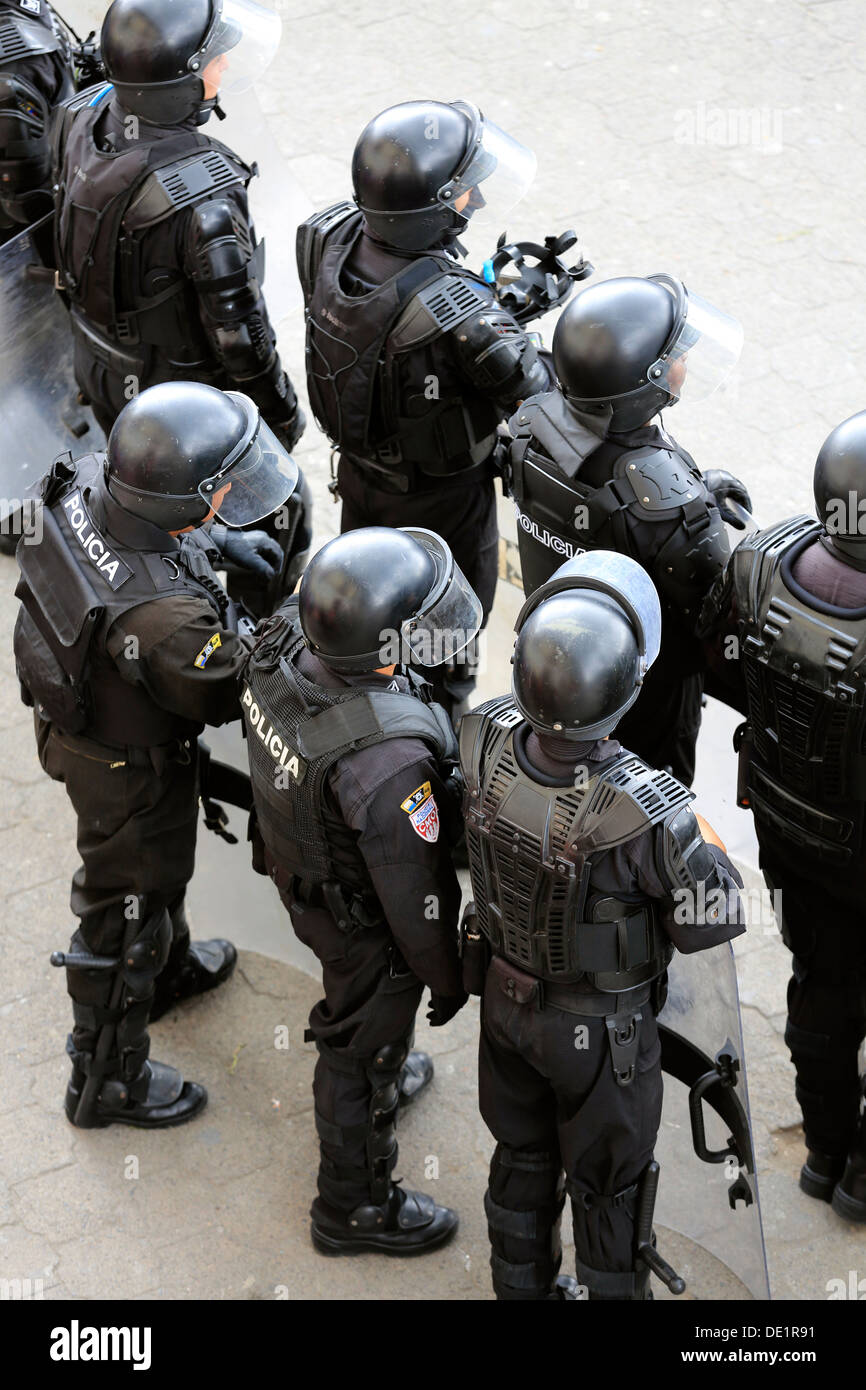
207,651
414,801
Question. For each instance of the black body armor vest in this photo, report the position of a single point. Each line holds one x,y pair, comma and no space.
74,586
354,347
107,200
296,731
560,516
804,663
531,851
26,96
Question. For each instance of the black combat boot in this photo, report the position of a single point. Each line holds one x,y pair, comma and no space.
157,1099
407,1223
820,1174
113,1081
205,965
415,1076
849,1194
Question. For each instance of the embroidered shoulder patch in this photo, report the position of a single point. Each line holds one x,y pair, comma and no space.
207,652
414,801
425,821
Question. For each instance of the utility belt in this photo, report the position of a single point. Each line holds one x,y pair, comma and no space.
401,477
621,1012
611,956
115,756
622,956
350,910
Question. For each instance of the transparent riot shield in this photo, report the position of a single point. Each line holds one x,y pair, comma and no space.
708,1214
40,414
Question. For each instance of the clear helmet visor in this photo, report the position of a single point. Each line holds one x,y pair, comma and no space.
497,174
259,481
452,614
705,352
628,583
240,46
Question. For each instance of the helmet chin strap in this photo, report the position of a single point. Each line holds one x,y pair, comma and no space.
208,108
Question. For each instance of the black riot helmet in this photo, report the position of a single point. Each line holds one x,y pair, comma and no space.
175,449
157,52
379,597
585,642
840,487
628,347
415,161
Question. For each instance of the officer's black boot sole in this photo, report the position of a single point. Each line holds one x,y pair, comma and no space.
191,1101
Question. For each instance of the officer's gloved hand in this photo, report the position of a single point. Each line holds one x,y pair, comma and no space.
255,551
290,431
443,1007
723,485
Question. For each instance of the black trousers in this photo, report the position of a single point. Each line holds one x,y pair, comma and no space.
550,1098
137,822
368,1011
826,934
465,517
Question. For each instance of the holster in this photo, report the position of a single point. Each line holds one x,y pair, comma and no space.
474,952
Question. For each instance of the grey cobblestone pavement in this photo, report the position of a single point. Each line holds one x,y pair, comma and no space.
721,141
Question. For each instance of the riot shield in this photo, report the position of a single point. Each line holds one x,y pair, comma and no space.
708,1214
40,414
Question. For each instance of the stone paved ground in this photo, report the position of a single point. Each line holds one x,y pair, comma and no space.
720,141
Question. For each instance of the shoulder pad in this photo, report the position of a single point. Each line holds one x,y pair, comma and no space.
661,480
181,184
313,235
89,96
500,713
437,308
373,716
565,438
627,799
758,554
22,38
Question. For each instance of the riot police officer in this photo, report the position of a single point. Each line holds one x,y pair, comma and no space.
157,253
576,848
794,595
126,646
355,810
589,468
35,74
411,363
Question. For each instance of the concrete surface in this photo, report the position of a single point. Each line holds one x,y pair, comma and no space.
715,140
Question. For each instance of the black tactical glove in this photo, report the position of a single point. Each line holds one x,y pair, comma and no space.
723,485
443,1007
290,431
255,551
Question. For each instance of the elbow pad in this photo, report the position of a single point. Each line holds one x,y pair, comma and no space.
498,356
228,272
704,887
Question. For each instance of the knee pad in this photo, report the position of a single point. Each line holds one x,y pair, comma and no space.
145,953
